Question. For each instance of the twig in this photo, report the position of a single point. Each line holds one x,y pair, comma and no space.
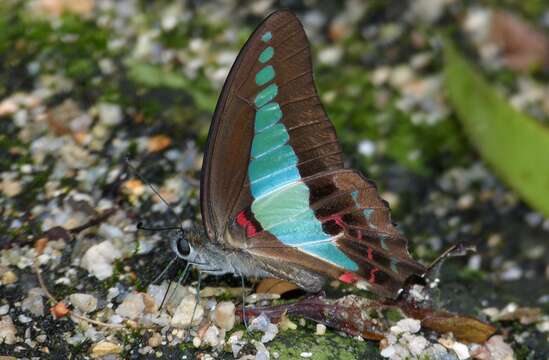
54,300
96,221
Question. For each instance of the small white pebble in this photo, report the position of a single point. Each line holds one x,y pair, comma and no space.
320,329
84,302
306,354
23,319
461,350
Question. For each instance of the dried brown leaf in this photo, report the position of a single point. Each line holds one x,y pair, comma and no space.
275,286
464,328
523,47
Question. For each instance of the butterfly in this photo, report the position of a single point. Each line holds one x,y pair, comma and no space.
276,198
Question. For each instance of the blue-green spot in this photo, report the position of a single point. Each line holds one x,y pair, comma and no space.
328,251
272,162
263,187
267,36
266,95
266,55
267,116
394,263
382,241
269,140
264,75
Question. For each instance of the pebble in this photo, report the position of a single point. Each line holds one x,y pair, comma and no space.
261,351
499,349
8,331
428,11
306,354
112,293
461,350
33,302
388,352
254,298
416,344
236,343
213,336
320,329
84,302
150,303
24,319
8,107
155,340
183,315
225,315
380,75
406,325
263,324
330,55
173,297
110,114
8,278
132,307
4,309
104,348
11,188
367,148
98,260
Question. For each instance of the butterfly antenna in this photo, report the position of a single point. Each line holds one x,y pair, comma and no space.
454,250
197,297
140,226
136,173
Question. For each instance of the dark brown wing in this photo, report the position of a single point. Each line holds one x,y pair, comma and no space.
224,184
359,223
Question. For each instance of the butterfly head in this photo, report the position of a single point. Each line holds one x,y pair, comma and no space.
190,245
186,243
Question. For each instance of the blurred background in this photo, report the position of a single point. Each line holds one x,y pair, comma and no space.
411,86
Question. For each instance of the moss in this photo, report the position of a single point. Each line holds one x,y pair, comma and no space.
290,345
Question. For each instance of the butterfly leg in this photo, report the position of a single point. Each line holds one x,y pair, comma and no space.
164,271
244,320
180,280
197,296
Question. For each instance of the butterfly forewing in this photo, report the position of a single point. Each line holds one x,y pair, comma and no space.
280,60
273,176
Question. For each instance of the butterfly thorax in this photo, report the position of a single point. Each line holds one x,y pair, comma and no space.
216,258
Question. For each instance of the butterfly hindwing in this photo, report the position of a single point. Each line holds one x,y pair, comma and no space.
356,239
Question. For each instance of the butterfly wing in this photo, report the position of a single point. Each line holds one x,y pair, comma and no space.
274,62
353,239
273,180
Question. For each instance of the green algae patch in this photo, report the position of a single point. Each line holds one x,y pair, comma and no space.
513,144
292,343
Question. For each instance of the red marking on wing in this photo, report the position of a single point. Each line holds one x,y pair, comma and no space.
349,277
244,222
372,278
241,219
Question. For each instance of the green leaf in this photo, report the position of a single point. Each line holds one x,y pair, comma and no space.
513,144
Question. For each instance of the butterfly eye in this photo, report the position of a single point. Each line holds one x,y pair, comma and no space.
183,247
